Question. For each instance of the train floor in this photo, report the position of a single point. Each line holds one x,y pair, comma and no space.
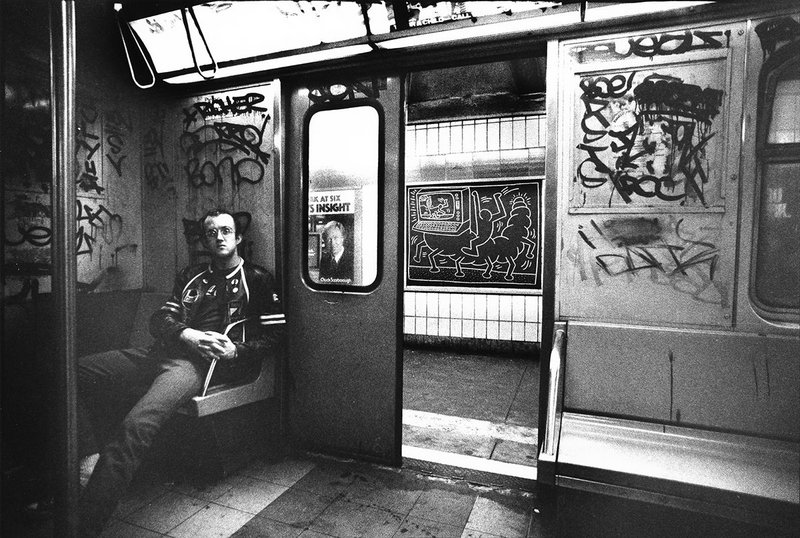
309,496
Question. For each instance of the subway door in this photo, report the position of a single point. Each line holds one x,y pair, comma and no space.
343,147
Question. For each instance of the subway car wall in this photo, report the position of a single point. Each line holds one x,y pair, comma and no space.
663,186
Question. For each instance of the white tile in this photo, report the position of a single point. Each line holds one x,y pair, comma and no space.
505,308
444,327
505,330
518,308
506,134
530,332
468,306
532,308
444,305
433,304
408,325
433,141
492,330
212,521
422,141
519,133
491,518
456,135
411,140
455,327
493,307
420,325
444,139
480,328
469,137
251,495
468,328
480,306
456,300
433,327
421,305
409,303
518,331
480,135
493,135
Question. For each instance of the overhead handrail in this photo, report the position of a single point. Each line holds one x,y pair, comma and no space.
191,44
554,389
136,40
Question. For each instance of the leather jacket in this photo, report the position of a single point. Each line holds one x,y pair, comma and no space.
251,300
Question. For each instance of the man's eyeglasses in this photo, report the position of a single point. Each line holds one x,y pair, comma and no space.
211,233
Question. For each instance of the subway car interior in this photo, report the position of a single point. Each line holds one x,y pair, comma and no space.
491,269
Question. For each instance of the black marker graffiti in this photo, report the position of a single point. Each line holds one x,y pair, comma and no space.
231,105
210,173
632,246
156,171
88,143
227,137
649,46
344,91
774,31
117,126
648,139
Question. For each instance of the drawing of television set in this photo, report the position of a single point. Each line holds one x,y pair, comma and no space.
442,211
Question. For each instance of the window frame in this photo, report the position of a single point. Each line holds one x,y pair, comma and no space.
775,68
306,276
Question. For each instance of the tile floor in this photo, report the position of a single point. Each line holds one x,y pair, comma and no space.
314,496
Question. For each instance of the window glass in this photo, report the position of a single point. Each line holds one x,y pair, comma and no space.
785,125
777,282
343,202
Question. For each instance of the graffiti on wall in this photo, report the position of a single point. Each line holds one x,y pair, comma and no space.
650,46
234,151
346,91
157,175
481,233
664,251
647,138
102,157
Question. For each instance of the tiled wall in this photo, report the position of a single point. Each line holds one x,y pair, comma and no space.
484,148
476,149
473,315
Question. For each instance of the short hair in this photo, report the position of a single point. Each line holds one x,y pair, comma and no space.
222,211
331,225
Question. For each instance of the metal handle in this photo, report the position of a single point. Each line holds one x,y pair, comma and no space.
554,388
190,10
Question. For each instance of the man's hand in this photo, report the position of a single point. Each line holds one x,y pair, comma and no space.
209,344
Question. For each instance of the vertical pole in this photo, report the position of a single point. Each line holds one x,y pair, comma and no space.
62,31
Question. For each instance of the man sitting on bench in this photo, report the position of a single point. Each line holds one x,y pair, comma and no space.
144,388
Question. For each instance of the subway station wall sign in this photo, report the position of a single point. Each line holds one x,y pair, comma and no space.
485,233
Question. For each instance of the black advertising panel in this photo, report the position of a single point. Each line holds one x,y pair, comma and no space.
472,234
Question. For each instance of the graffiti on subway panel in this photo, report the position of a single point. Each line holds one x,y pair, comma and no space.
650,46
346,91
117,128
235,151
88,158
157,174
482,233
648,138
664,251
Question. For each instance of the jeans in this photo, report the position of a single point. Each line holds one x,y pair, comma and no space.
125,397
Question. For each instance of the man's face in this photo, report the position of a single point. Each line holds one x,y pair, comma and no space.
335,240
220,236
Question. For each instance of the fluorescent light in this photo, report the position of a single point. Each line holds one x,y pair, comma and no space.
621,11
483,30
277,63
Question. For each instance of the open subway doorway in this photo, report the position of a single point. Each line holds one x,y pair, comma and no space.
473,199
